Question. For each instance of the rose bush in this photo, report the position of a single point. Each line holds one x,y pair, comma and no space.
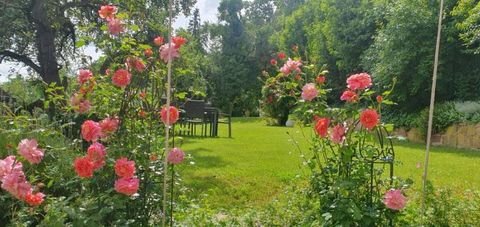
347,187
106,174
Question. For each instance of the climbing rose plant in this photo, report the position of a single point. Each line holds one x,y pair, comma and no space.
120,122
347,187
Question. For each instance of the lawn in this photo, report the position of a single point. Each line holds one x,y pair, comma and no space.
254,166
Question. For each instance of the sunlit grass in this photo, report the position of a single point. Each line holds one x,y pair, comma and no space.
254,166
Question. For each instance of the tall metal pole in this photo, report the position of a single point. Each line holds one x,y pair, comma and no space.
432,104
167,125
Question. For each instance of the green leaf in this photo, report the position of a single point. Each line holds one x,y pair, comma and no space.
80,43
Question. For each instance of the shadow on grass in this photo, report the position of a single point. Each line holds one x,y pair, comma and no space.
205,161
439,149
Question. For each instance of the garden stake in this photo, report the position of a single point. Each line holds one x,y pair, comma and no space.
432,103
169,79
171,195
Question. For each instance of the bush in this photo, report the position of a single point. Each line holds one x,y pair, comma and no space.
444,208
470,111
444,115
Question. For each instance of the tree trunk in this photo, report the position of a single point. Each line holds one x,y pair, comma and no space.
45,42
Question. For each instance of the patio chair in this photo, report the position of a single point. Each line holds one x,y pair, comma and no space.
194,115
224,118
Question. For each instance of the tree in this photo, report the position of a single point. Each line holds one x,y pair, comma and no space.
404,48
234,84
42,33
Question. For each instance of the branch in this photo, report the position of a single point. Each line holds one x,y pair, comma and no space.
21,58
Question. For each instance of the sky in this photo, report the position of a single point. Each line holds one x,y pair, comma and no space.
208,12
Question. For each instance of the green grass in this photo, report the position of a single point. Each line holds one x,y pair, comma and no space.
254,166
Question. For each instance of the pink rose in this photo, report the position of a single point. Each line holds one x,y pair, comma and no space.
28,148
175,156
16,184
121,78
178,41
7,166
79,104
136,63
84,167
127,186
165,49
369,118
84,75
273,62
115,26
338,133
34,199
394,199
158,41
359,81
107,12
321,127
309,92
109,125
291,66
96,153
349,96
281,55
125,168
172,116
91,130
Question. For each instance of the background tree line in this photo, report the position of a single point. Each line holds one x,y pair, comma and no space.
389,39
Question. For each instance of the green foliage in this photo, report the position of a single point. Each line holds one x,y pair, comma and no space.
444,208
444,115
469,12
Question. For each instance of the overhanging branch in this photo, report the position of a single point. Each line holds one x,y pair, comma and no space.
21,58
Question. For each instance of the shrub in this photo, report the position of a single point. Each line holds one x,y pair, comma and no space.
444,115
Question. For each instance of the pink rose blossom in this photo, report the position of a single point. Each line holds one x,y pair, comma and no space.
115,26
125,168
178,41
338,133
79,104
172,116
91,130
136,63
84,106
394,199
84,75
127,186
121,78
96,153
369,118
109,125
281,55
273,62
7,166
309,92
291,66
28,148
349,96
107,12
359,81
34,199
175,156
165,49
320,79
158,41
321,127
84,167
16,184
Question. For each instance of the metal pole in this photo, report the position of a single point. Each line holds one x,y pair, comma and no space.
432,103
